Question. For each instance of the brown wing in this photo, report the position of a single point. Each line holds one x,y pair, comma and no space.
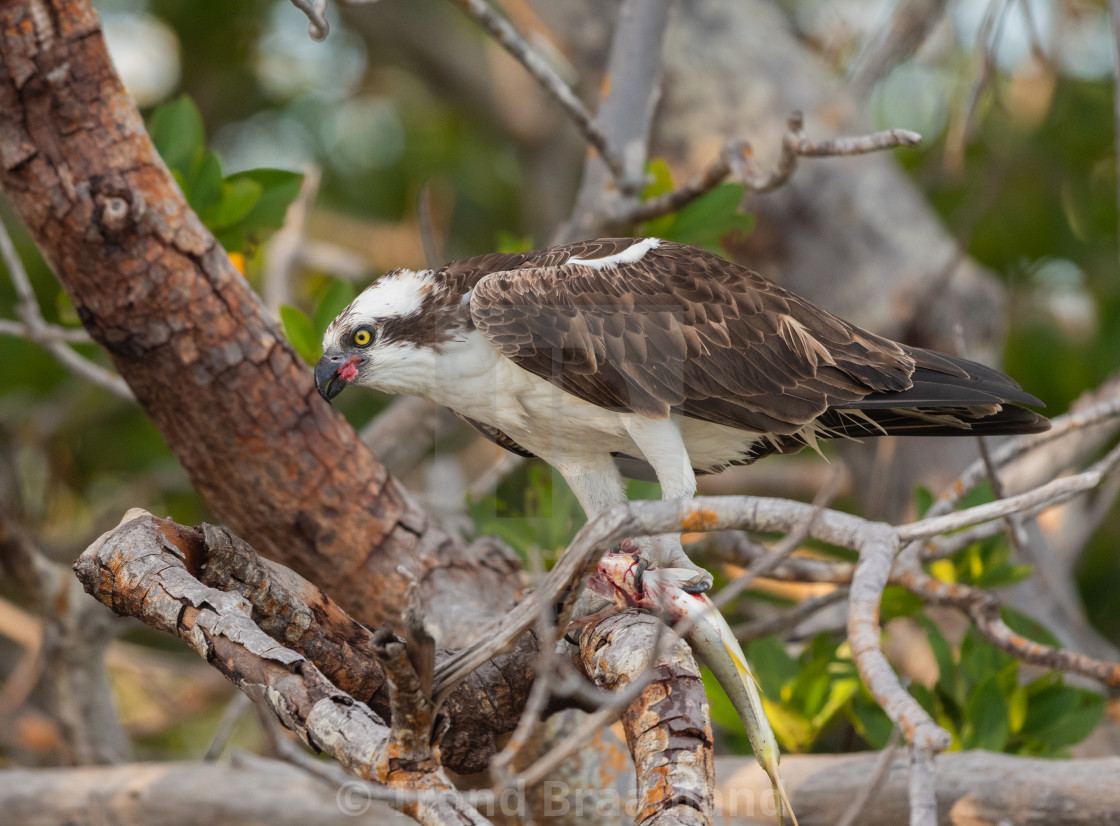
686,331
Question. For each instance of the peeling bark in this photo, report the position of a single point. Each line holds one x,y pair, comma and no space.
667,727
299,616
137,572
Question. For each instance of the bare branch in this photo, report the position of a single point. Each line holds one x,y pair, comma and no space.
923,786
874,783
508,38
283,254
876,554
791,618
984,611
737,159
47,336
317,26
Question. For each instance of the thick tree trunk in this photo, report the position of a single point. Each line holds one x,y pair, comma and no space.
211,368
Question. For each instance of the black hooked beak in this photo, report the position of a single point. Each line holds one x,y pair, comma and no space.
327,379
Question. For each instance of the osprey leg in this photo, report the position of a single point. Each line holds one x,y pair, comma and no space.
661,443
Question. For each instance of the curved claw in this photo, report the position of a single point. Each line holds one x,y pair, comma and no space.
639,574
698,587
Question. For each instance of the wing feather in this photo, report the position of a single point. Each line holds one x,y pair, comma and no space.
681,330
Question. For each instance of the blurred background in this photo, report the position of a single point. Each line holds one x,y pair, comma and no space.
409,124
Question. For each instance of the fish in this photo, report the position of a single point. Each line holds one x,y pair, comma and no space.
629,581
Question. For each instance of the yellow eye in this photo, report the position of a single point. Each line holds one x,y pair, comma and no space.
362,336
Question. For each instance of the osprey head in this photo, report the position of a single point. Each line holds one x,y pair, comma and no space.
376,341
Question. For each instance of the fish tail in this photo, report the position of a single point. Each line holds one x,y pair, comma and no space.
780,796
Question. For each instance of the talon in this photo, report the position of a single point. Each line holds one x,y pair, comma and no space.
643,564
698,587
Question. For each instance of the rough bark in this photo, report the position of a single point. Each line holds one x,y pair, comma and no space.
667,726
195,344
300,617
136,572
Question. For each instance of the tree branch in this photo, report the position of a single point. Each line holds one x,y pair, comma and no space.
667,724
132,572
507,37
51,338
299,616
737,160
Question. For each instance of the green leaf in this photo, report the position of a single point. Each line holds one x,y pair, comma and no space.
987,724
870,721
205,187
336,298
278,189
772,665
923,500
1028,627
840,693
660,179
1063,715
710,218
898,602
178,134
298,329
238,198
511,242
979,658
1048,701
1017,705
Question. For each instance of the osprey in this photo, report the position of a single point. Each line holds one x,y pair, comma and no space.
650,359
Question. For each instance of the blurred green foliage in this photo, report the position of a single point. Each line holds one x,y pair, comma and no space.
816,701
237,208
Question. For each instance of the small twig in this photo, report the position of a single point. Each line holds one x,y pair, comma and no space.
987,41
910,24
1037,48
317,26
508,38
284,253
1012,449
1052,493
984,611
791,618
737,159
785,548
19,329
230,717
874,783
47,336
424,222
538,695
